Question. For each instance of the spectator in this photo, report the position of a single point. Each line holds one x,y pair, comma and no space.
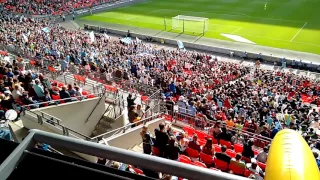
194,144
64,94
132,115
262,156
71,90
237,161
16,93
130,100
172,149
29,101
255,169
162,138
207,148
146,140
223,155
140,112
247,149
317,160
224,135
38,88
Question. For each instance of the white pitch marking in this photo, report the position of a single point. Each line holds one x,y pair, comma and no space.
236,30
298,31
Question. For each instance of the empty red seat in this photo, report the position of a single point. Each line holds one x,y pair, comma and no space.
201,135
231,153
226,143
217,148
246,160
84,93
207,159
185,159
192,153
262,165
238,148
55,97
144,98
199,164
247,173
223,166
91,96
189,130
202,142
236,169
138,171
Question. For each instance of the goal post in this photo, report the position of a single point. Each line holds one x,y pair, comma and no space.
191,24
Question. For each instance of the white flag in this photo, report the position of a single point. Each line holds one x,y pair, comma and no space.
138,40
25,38
106,36
91,37
180,45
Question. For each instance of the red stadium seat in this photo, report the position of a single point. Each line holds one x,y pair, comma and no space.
185,159
223,166
217,148
199,164
262,165
226,143
231,153
84,93
201,135
189,130
236,170
155,151
138,171
192,153
247,173
207,159
238,148
246,160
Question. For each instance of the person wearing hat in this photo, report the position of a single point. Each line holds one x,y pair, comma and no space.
255,169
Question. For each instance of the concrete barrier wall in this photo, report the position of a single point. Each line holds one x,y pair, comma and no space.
132,137
202,47
30,121
74,115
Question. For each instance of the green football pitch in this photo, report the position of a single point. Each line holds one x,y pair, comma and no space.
287,24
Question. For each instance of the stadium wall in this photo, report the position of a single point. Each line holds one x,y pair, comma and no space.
132,137
251,54
73,115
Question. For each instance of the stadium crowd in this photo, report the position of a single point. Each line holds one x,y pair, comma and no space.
220,95
47,7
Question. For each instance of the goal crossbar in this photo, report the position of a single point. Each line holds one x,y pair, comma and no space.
191,18
190,23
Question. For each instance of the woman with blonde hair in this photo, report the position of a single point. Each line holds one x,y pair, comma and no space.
146,140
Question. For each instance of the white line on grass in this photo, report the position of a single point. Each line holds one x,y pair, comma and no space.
298,31
235,14
236,30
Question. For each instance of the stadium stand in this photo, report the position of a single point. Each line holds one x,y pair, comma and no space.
230,108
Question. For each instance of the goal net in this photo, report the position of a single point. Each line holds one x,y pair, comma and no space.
190,24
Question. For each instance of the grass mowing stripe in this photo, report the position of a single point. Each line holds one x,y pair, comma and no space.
298,31
276,26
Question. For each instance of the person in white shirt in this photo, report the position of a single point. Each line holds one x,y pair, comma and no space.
16,93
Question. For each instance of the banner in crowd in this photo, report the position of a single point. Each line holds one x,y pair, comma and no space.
126,40
138,40
91,36
180,45
46,29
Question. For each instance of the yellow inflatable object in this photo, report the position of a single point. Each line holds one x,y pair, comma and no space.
290,158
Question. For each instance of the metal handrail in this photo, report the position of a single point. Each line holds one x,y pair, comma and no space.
234,129
51,122
58,100
126,126
153,163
